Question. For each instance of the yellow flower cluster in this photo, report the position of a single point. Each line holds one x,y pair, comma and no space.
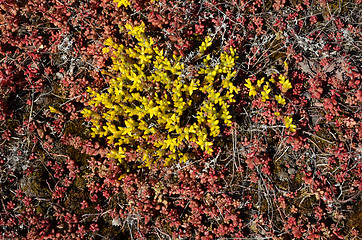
264,88
125,3
286,85
280,99
205,44
288,123
151,107
259,87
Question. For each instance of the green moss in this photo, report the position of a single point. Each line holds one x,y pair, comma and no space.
113,232
74,199
75,154
36,184
80,183
354,220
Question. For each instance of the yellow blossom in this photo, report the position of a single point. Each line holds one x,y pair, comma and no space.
265,94
205,44
280,99
125,3
288,123
272,80
252,88
148,93
286,85
53,110
286,67
260,82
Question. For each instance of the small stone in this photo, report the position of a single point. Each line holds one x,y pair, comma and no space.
283,175
116,222
291,171
59,75
40,132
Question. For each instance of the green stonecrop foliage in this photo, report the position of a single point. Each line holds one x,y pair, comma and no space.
155,107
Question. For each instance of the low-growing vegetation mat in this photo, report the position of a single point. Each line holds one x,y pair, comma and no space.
179,119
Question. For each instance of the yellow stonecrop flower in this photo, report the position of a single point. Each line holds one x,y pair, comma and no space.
252,88
272,80
53,110
150,95
263,87
138,33
194,84
288,123
280,99
265,93
205,44
286,67
125,3
286,85
259,83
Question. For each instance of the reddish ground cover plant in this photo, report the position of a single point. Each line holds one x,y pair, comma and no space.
289,166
